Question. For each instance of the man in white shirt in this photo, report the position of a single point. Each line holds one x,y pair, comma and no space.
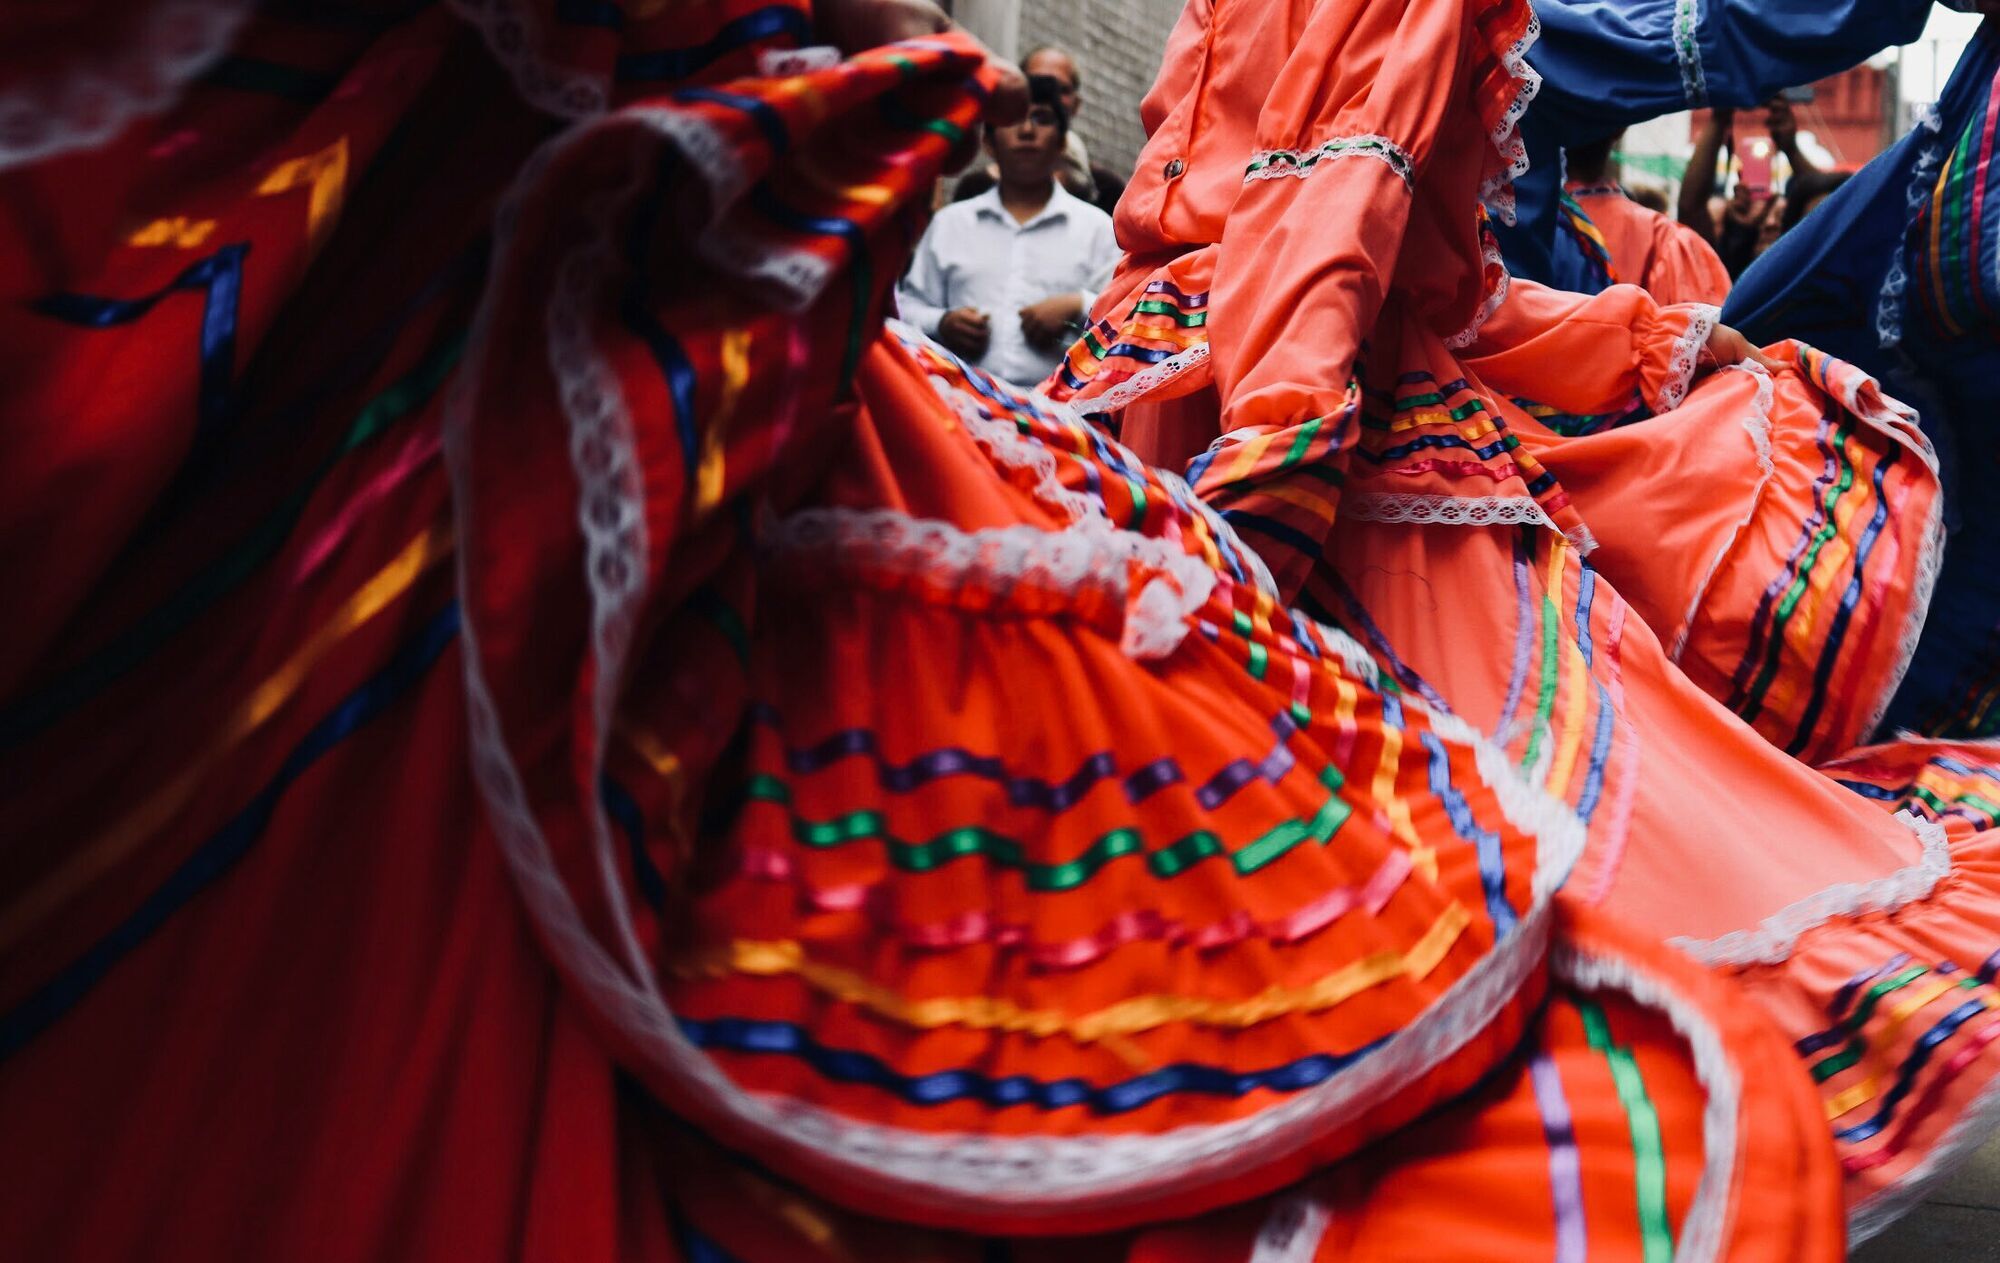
1004,280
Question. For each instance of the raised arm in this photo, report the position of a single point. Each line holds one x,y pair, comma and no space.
1698,182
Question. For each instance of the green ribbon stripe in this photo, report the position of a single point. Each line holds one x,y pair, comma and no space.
1161,307
1855,1048
1385,420
1006,852
1648,1151
1953,298
1942,806
1830,1066
1303,441
1782,616
1545,703
707,602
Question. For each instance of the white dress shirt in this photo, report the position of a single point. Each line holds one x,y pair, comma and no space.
975,255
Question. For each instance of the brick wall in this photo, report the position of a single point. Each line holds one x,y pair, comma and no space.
1118,43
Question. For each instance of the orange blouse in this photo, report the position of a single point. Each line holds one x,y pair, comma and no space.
1666,258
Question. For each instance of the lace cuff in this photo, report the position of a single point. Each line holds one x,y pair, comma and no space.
1666,373
1272,164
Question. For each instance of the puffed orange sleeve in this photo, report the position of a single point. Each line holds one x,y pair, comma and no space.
1686,269
1591,353
1314,236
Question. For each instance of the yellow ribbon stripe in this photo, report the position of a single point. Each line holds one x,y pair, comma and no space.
787,957
324,174
735,358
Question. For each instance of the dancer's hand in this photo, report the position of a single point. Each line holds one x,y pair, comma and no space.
1726,347
966,331
857,25
1782,124
1045,323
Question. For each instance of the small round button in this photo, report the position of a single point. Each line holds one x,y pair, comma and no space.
1175,168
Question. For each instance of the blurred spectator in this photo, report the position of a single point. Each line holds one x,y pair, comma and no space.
1098,185
1697,209
1772,226
1651,199
1807,190
1670,261
1743,226
1004,279
1754,216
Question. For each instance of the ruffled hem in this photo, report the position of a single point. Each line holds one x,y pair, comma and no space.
767,1053
1110,1172
1898,976
1743,646
1494,280
1503,93
1153,343
1631,1087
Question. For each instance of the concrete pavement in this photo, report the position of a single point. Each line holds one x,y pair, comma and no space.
1959,1223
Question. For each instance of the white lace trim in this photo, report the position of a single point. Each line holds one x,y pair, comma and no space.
1142,383
1771,942
1705,1228
1686,356
1889,304
1003,443
1757,424
1687,50
606,468
1489,252
1292,1231
1497,190
1170,585
792,278
785,63
611,500
510,31
1276,164
1430,510
87,101
1005,447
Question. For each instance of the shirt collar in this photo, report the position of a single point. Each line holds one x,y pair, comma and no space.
1060,202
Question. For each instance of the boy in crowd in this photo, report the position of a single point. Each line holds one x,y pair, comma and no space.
1005,279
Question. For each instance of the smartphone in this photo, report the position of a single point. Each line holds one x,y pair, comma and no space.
1754,169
